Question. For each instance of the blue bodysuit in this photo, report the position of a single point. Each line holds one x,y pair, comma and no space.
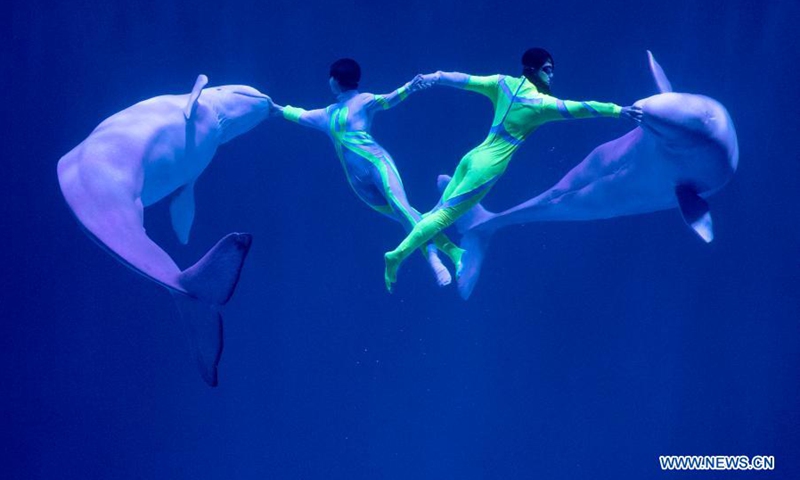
369,168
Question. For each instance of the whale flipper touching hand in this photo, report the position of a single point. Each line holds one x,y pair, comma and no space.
684,151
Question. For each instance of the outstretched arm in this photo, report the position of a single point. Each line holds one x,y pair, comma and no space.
448,79
390,100
484,85
555,109
420,82
308,118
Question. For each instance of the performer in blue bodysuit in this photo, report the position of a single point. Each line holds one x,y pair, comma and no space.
369,168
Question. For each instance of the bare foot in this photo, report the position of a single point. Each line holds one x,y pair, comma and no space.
390,275
456,256
441,272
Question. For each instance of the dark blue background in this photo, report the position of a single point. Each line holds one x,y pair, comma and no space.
587,350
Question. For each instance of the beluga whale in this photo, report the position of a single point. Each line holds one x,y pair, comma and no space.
153,150
684,150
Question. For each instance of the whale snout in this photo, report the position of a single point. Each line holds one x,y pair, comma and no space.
244,91
237,94
255,94
240,108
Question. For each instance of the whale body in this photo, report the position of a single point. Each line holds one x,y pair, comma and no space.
153,150
685,150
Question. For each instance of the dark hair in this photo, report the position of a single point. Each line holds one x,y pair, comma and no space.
536,57
347,72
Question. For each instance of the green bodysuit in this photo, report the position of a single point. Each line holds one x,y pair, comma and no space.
369,168
519,109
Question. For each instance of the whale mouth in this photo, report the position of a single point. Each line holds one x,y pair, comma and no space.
251,95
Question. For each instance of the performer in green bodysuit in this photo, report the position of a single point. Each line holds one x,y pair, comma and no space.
369,168
521,105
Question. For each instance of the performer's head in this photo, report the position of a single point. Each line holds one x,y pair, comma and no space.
345,74
538,66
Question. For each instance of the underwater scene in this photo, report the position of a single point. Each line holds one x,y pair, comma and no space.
414,240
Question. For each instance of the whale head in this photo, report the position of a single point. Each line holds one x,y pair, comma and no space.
239,108
680,117
683,121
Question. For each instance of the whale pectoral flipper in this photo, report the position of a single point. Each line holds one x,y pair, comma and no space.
181,210
199,84
660,77
695,212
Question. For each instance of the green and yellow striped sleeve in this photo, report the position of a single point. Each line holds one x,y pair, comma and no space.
567,109
390,100
292,113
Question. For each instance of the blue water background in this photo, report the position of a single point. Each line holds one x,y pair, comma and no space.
587,350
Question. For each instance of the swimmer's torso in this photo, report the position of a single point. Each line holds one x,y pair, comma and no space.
519,109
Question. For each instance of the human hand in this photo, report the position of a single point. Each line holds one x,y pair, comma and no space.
632,113
275,110
421,82
431,79
415,84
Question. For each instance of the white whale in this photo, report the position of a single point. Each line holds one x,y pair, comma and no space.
143,154
685,150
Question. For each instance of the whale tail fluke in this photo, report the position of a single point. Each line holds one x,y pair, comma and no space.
474,219
202,324
476,236
214,277
475,243
210,283
475,239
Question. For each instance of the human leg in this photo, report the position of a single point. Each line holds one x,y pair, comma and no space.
431,225
407,215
